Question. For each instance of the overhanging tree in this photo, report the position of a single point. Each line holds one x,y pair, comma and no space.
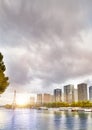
3,79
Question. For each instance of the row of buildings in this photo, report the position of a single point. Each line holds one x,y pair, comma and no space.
69,95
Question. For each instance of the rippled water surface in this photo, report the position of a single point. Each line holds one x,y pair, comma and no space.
30,119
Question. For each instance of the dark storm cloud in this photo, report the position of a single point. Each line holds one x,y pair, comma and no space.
48,35
40,20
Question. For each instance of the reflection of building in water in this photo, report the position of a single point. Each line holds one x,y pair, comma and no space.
90,93
83,121
82,92
69,93
32,100
57,95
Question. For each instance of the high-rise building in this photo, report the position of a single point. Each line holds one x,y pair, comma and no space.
75,95
32,100
46,98
69,93
52,98
39,99
57,95
62,96
82,92
90,93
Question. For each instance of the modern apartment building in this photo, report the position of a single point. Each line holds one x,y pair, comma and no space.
32,100
57,95
39,99
82,92
69,93
75,95
46,98
90,93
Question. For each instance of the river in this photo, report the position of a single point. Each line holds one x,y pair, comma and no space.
31,119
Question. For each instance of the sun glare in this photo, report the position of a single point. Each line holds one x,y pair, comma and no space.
22,100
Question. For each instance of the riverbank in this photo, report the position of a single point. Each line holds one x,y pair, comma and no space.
68,109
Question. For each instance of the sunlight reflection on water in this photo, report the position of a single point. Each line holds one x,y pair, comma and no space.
29,119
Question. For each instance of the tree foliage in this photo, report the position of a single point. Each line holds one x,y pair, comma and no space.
3,79
73,104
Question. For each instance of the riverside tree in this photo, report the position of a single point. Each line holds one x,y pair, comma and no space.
3,79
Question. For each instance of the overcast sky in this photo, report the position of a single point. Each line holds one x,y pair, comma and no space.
46,43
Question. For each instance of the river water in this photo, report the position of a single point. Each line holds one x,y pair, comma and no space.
30,119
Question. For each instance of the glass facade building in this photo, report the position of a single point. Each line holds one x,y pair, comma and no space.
57,95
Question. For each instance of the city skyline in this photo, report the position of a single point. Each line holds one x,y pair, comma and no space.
67,93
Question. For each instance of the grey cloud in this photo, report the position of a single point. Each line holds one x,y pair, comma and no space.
51,64
19,71
46,30
59,64
40,20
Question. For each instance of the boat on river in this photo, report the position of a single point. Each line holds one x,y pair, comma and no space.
88,110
